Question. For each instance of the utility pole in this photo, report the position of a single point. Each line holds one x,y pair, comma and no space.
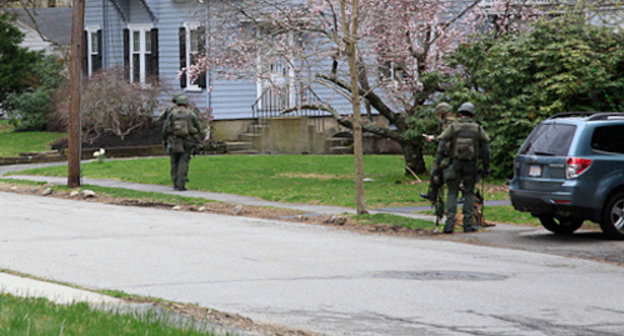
75,72
350,30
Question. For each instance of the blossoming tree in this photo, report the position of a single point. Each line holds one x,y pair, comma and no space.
400,49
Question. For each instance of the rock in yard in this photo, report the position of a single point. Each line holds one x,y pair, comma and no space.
177,207
201,209
13,188
237,210
74,193
47,191
341,220
87,193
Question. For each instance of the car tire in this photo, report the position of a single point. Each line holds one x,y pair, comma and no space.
561,225
612,223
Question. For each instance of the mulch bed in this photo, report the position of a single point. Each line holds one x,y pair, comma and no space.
139,137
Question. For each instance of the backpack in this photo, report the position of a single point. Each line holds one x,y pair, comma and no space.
465,144
179,125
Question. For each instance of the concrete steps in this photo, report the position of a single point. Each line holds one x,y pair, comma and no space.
339,145
236,146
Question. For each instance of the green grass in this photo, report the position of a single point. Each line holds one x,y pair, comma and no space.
311,179
14,143
139,195
5,127
503,214
507,214
31,316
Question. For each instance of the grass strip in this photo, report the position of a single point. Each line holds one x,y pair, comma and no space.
502,214
310,179
37,316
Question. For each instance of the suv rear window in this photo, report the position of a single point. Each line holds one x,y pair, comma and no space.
608,139
549,139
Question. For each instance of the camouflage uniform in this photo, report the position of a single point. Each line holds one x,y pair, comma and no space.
163,116
467,143
444,112
180,144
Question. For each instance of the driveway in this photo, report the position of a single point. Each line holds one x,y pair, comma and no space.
311,277
586,243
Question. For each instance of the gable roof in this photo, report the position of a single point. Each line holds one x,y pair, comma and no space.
54,23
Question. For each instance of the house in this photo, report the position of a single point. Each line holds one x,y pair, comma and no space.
154,39
45,29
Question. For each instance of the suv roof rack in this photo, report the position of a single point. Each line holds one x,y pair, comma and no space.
571,114
590,115
607,116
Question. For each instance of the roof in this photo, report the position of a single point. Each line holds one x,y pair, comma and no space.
54,23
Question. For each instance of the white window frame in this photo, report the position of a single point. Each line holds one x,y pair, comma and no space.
143,30
188,27
91,30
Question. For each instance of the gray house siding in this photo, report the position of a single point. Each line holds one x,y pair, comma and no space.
229,99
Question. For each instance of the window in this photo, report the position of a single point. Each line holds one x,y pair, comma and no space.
93,50
549,139
141,53
608,139
192,45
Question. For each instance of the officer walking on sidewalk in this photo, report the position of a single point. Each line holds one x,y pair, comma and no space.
181,132
468,143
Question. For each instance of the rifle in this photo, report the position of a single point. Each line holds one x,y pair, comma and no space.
480,196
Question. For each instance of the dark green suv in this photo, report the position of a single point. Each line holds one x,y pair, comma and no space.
571,169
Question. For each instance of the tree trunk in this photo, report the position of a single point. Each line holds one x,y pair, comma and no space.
414,160
350,38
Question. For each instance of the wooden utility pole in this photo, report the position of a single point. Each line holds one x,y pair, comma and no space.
350,38
75,73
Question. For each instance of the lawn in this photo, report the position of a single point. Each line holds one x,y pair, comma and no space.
31,316
14,143
311,179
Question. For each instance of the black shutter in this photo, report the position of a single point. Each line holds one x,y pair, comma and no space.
85,50
97,61
182,56
126,42
201,81
154,56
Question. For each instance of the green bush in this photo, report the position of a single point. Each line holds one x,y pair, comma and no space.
559,65
32,110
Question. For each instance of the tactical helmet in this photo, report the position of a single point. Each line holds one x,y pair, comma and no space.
182,100
443,108
467,108
175,97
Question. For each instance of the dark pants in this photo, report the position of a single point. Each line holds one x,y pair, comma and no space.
179,168
465,172
179,150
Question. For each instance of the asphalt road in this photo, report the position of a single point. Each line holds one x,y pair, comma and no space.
311,277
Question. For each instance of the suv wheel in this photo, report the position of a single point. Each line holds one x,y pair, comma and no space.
612,223
561,225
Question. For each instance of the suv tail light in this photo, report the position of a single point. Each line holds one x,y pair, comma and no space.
576,166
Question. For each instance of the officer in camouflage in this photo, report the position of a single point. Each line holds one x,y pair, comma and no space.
181,132
444,111
468,143
163,116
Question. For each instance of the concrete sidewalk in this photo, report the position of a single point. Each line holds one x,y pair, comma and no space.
61,294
